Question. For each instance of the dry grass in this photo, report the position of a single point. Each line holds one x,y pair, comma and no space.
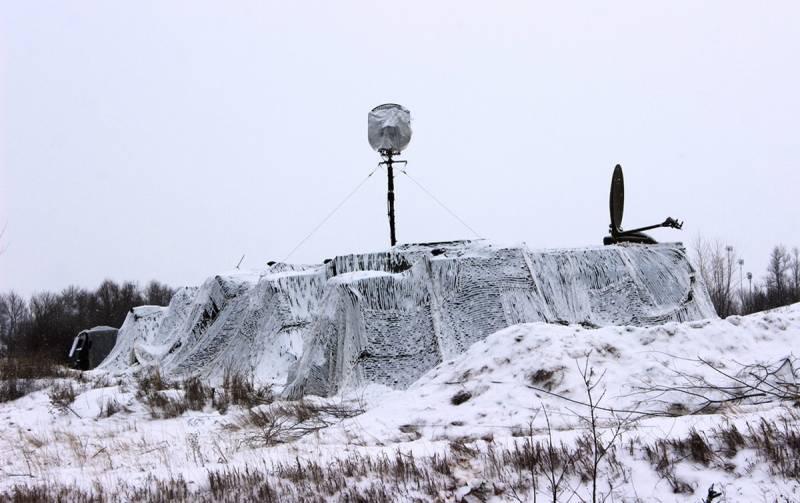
111,406
152,390
62,394
152,380
240,389
21,376
196,393
776,444
383,478
512,471
166,398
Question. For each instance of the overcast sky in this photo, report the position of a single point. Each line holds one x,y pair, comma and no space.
164,140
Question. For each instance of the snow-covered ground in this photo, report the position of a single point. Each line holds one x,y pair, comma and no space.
670,421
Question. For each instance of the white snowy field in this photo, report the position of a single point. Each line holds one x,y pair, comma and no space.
678,408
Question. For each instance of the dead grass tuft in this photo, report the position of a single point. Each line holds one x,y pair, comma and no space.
196,393
545,378
110,407
241,389
151,380
62,394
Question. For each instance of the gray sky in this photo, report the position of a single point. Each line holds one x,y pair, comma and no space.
163,140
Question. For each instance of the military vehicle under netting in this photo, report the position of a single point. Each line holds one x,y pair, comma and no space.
91,346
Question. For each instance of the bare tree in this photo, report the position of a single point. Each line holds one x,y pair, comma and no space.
14,314
158,294
46,325
48,317
735,384
777,279
600,445
715,262
557,462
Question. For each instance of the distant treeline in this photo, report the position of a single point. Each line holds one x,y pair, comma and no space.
45,324
734,290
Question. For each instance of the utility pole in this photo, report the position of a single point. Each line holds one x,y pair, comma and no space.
741,283
750,279
728,281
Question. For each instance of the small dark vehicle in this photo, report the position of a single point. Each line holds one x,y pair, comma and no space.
91,346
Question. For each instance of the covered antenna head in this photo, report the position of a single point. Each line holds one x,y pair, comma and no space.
389,128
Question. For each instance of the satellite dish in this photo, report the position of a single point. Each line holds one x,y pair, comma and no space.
616,203
389,128
617,199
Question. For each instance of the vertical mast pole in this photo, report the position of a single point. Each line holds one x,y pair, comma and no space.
390,197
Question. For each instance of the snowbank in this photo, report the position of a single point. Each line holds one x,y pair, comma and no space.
508,379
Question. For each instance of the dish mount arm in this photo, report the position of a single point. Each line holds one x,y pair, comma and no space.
669,222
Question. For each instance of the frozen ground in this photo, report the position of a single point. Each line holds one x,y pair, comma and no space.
680,407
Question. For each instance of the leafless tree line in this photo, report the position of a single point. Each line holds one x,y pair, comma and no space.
46,323
733,290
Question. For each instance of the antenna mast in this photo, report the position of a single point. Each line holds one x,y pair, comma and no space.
388,161
389,132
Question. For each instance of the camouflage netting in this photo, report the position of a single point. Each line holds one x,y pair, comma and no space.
388,317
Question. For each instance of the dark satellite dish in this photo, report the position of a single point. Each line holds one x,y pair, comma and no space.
617,198
616,205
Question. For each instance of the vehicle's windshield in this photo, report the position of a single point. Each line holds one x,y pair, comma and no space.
74,346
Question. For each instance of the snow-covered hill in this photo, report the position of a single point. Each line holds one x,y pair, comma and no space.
515,372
